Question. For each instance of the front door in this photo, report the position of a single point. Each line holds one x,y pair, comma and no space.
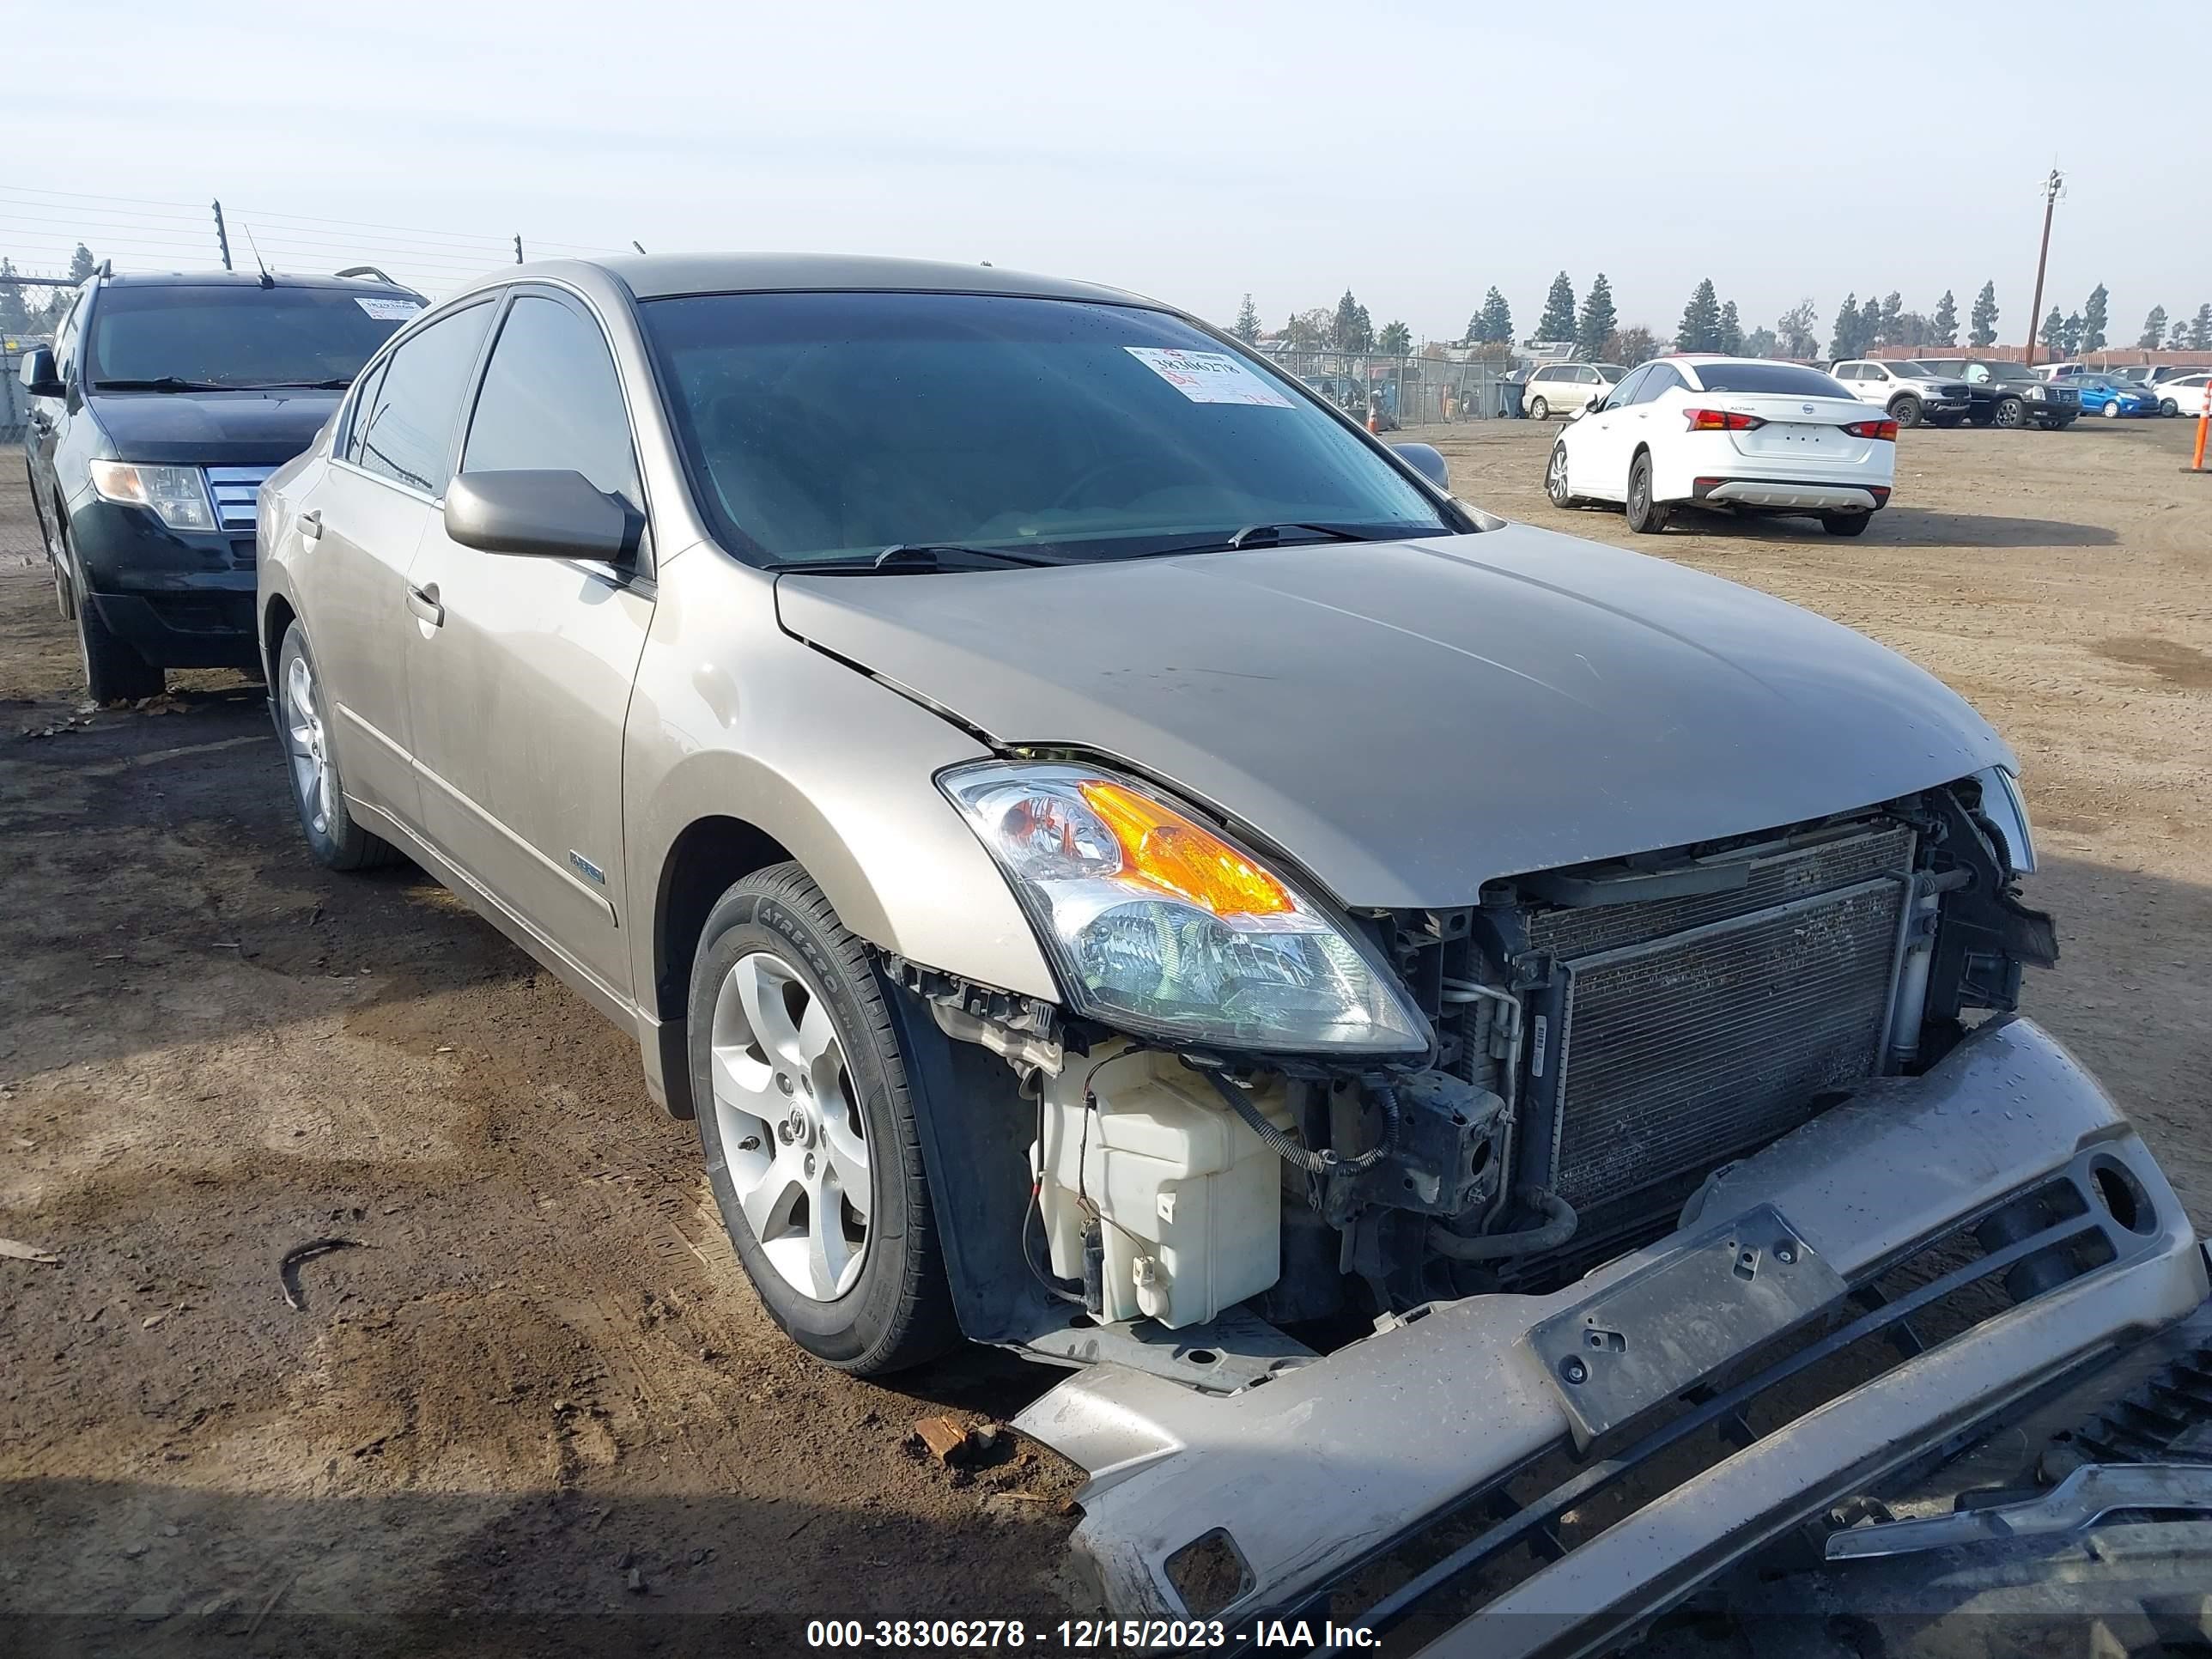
520,669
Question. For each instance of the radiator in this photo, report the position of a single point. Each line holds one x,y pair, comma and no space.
1695,1030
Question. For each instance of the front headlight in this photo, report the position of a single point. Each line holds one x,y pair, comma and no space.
1161,928
2036,391
2003,805
178,494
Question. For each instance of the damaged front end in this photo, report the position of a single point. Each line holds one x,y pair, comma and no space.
1672,1199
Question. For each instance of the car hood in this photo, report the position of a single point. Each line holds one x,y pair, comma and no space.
212,428
1409,719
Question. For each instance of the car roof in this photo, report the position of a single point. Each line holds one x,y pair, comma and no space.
251,279
664,276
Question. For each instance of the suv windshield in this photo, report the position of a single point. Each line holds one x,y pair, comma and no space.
832,425
236,336
1789,380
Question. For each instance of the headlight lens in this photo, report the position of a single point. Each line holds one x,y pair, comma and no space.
2003,805
177,493
2036,391
1161,928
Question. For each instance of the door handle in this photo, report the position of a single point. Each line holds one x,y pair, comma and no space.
310,526
423,602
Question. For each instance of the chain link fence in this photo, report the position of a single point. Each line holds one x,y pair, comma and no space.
14,402
1406,391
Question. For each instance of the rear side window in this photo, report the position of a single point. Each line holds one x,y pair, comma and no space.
552,401
1787,380
357,422
408,436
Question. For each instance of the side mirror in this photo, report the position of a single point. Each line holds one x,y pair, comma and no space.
40,378
1425,460
547,515
1596,402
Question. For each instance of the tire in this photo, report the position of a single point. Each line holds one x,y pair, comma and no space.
1906,411
311,766
2112,410
1946,422
2010,412
773,944
57,561
1645,516
1980,419
1555,477
113,670
2168,408
1540,409
1846,524
2061,426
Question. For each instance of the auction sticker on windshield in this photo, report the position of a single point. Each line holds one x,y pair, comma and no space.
1208,377
387,311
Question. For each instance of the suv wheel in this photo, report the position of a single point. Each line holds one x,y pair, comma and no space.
1645,516
318,792
806,1119
113,670
2011,411
1905,410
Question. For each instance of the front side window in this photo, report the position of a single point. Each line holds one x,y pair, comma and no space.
66,340
234,336
551,401
407,432
1626,392
832,425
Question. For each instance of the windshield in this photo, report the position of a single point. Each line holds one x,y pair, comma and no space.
1789,380
833,425
234,336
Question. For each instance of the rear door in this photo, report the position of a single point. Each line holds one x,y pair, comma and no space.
520,684
360,526
1597,458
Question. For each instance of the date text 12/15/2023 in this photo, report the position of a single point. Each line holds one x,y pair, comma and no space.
1084,1635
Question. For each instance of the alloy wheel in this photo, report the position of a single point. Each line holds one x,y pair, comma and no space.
308,746
793,1137
1555,476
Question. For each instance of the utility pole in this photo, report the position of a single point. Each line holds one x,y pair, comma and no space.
2051,187
518,247
221,236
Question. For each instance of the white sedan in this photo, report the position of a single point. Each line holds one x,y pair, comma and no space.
2183,395
1743,433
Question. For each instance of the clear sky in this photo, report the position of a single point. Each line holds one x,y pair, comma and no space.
1416,152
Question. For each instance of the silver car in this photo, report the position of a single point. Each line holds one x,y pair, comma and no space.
1122,865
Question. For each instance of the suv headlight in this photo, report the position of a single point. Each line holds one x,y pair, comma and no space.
2003,805
1163,928
2037,391
178,494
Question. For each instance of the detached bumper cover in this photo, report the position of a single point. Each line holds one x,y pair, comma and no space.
1324,1470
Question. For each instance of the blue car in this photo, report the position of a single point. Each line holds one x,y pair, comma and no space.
2103,395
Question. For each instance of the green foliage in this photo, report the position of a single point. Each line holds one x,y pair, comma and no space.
1558,322
2153,330
1844,342
1761,343
1629,347
1728,336
1983,324
81,264
2200,331
1493,324
1594,326
1353,330
1396,340
2053,333
2094,318
1247,325
2178,340
1309,330
15,315
1701,321
2069,335
1944,330
1796,331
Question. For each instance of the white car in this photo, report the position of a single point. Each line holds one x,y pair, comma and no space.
2182,396
1744,433
1566,388
1910,391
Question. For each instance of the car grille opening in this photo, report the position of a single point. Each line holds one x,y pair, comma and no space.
235,491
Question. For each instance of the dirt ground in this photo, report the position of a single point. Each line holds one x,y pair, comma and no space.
538,1409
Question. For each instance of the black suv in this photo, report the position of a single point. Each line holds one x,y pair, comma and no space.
2005,394
163,403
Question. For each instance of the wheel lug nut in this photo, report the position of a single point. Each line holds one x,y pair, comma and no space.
810,1166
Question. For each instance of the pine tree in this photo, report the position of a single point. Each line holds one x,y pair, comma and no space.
1396,340
1727,334
81,264
1558,322
1495,325
1944,329
1247,325
1890,330
2153,330
1701,321
1983,332
15,315
1794,335
1760,343
1353,330
2054,332
2178,340
1845,342
1595,325
2094,320
2200,331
